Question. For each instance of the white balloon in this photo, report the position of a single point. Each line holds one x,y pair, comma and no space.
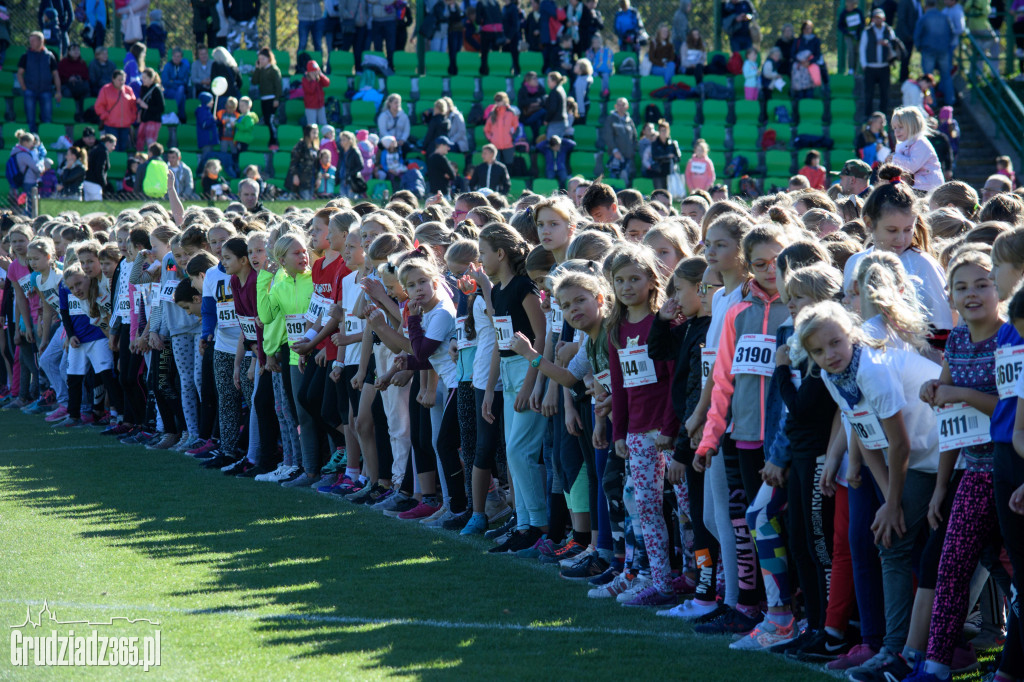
219,85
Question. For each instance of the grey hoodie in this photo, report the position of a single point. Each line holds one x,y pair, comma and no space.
382,10
310,10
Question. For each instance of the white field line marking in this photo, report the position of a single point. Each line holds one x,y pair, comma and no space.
61,449
352,620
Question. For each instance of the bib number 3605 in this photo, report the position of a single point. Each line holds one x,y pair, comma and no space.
1009,363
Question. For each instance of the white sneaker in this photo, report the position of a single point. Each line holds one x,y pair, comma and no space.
270,477
640,583
616,587
441,511
184,444
688,610
582,556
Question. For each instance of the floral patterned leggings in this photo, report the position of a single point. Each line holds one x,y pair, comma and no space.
647,471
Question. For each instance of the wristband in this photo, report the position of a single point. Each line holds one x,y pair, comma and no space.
535,363
337,365
310,334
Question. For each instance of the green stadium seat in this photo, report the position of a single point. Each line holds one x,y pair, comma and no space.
400,85
283,61
295,111
531,61
842,86
649,84
187,137
844,111
516,188
683,111
245,56
406,63
260,138
723,81
643,185
718,159
187,54
116,55
341,63
778,163
621,86
622,56
468,63
543,186
745,137
289,135
462,86
586,137
782,132
686,80
49,133
463,105
615,183
810,110
7,80
118,164
364,114
499,62
778,184
258,159
809,127
747,111
435,63
715,112
430,88
14,53
685,135
492,85
479,138
65,111
712,133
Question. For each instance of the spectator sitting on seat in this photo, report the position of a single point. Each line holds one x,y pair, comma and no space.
202,70
491,173
456,127
101,71
72,173
87,140
326,175
530,100
175,78
74,78
694,55
813,171
182,174
556,157
600,56
48,180
438,125
662,54
214,186
392,165
393,120
96,182
131,170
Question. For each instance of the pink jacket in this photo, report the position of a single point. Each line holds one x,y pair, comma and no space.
917,156
116,108
500,132
700,174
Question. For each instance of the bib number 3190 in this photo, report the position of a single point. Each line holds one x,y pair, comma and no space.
755,354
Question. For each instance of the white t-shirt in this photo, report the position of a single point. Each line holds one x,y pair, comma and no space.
217,286
931,290
720,304
350,291
890,382
47,287
439,325
484,346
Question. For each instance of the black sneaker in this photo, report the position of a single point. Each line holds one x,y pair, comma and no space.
799,641
506,527
458,522
219,462
506,546
292,476
209,454
377,493
526,539
586,568
821,647
883,667
254,471
238,467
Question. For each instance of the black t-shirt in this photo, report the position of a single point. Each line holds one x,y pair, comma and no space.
508,301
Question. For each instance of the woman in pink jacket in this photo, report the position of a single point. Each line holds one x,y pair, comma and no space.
700,171
500,125
914,153
115,105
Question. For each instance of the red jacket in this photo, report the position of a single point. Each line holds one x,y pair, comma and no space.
116,108
313,91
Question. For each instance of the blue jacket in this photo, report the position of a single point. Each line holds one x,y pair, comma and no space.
175,76
934,32
206,125
132,75
548,12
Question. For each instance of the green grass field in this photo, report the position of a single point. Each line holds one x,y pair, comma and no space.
252,581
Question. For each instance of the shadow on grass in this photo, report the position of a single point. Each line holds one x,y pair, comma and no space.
414,600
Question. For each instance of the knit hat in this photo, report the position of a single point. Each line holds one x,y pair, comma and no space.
156,16
327,131
361,135
205,98
946,113
387,141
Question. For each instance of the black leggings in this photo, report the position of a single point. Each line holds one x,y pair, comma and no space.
311,397
168,399
75,382
613,484
208,396
448,441
741,471
420,432
128,366
705,547
489,437
811,517
270,117
270,428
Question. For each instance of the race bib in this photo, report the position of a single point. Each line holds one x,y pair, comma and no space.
104,303
226,314
26,283
461,342
961,426
503,332
1009,363
605,379
557,318
852,20
353,325
75,306
698,167
637,367
124,308
318,307
707,363
295,328
248,327
137,299
167,290
867,427
755,354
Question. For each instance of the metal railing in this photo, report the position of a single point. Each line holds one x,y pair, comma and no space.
989,88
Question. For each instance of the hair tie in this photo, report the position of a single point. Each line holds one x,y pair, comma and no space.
529,210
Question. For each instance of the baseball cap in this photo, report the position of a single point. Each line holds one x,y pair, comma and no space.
443,139
857,169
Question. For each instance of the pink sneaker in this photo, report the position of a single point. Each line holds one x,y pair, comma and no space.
420,511
853,658
88,417
683,584
202,449
57,414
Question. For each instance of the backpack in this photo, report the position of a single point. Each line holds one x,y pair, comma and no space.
475,117
15,176
782,114
718,66
769,139
735,64
737,167
628,67
652,114
518,169
333,112
154,183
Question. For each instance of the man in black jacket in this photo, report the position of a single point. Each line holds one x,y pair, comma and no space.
441,173
491,173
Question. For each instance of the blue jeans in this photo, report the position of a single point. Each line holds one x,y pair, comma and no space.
867,571
944,61
665,72
123,135
43,100
383,35
316,28
178,94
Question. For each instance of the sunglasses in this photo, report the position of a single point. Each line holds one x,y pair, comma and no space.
703,289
